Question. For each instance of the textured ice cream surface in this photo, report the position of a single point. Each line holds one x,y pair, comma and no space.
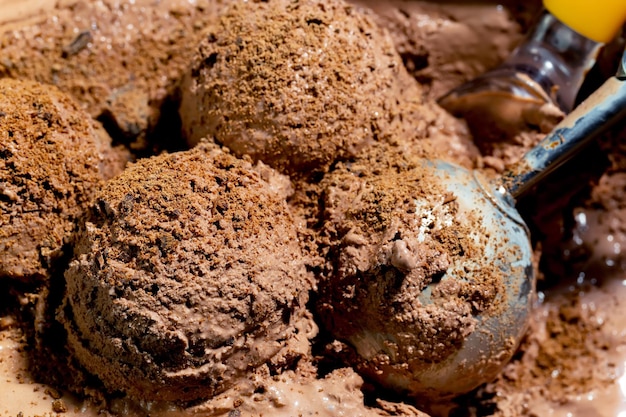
187,275
571,363
118,59
52,158
415,280
297,85
444,44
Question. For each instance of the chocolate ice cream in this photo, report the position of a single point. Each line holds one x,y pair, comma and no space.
412,282
119,59
187,275
444,44
122,61
52,159
318,83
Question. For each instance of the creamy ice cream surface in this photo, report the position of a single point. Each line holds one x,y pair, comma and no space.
297,85
53,159
186,275
228,279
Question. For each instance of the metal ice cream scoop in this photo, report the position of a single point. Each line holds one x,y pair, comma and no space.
547,68
552,55
508,247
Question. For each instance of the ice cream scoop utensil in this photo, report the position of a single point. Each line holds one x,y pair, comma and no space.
552,55
506,245
595,115
547,68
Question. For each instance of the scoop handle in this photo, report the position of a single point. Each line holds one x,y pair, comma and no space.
592,117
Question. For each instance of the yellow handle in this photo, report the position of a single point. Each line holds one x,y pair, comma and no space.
599,20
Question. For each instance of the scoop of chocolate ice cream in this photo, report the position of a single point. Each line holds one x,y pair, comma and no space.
297,85
419,287
187,275
51,161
